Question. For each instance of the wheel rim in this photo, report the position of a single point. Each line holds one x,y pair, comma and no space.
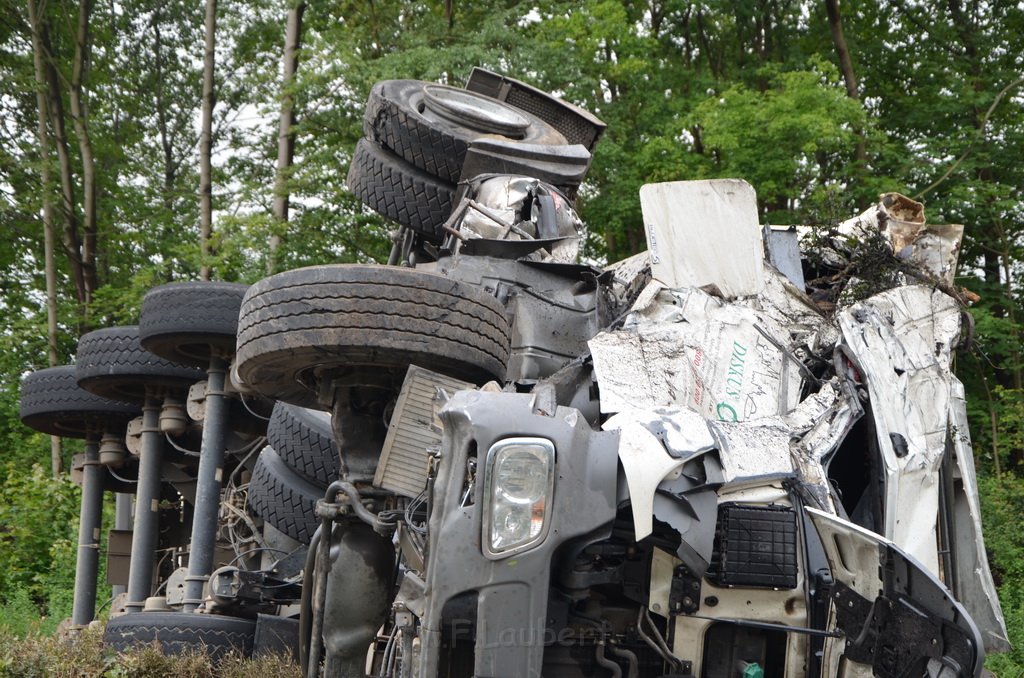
475,111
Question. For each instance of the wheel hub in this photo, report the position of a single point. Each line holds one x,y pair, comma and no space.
476,111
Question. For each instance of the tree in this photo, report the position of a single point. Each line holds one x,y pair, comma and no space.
206,142
286,134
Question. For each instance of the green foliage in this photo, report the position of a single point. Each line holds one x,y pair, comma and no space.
1002,504
789,139
39,519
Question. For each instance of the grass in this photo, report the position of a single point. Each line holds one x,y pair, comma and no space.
50,656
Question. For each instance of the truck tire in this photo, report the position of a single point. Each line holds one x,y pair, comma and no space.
186,322
179,632
431,126
303,439
296,326
283,498
52,402
112,363
399,191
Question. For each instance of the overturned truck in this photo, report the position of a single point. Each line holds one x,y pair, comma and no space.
678,465
732,456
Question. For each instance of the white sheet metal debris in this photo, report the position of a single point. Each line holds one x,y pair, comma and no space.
704,233
901,222
519,208
972,575
901,341
715,358
686,347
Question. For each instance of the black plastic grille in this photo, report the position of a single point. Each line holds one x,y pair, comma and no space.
755,546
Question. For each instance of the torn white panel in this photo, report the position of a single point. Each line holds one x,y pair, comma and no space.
688,348
626,270
683,433
937,249
766,447
757,450
704,233
646,463
973,578
792,310
901,221
827,425
901,341
753,451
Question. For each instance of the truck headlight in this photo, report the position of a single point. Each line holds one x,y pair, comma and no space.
518,482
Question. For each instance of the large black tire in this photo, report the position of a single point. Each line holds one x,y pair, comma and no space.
283,498
399,191
303,439
180,632
186,322
113,364
53,402
431,126
297,325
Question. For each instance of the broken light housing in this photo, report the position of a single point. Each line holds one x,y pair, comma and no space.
519,479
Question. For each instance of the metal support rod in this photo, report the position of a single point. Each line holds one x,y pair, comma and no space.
207,506
122,521
321,566
147,503
89,523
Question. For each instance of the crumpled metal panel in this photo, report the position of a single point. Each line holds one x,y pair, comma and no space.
686,347
510,207
901,221
973,579
901,341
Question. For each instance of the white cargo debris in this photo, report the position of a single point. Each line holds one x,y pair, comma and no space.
972,576
901,222
686,347
901,341
704,233
714,359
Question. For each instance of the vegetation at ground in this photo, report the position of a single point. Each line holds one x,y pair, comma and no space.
820,105
50,656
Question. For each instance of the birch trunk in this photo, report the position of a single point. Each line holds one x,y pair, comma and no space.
285,134
49,263
79,117
205,142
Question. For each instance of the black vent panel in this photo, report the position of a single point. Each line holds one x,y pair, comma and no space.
755,546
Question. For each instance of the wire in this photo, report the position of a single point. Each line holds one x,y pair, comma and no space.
390,653
255,550
179,448
246,405
411,509
194,453
117,477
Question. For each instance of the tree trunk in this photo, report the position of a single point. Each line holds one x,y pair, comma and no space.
205,143
70,237
49,263
835,24
286,133
79,117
